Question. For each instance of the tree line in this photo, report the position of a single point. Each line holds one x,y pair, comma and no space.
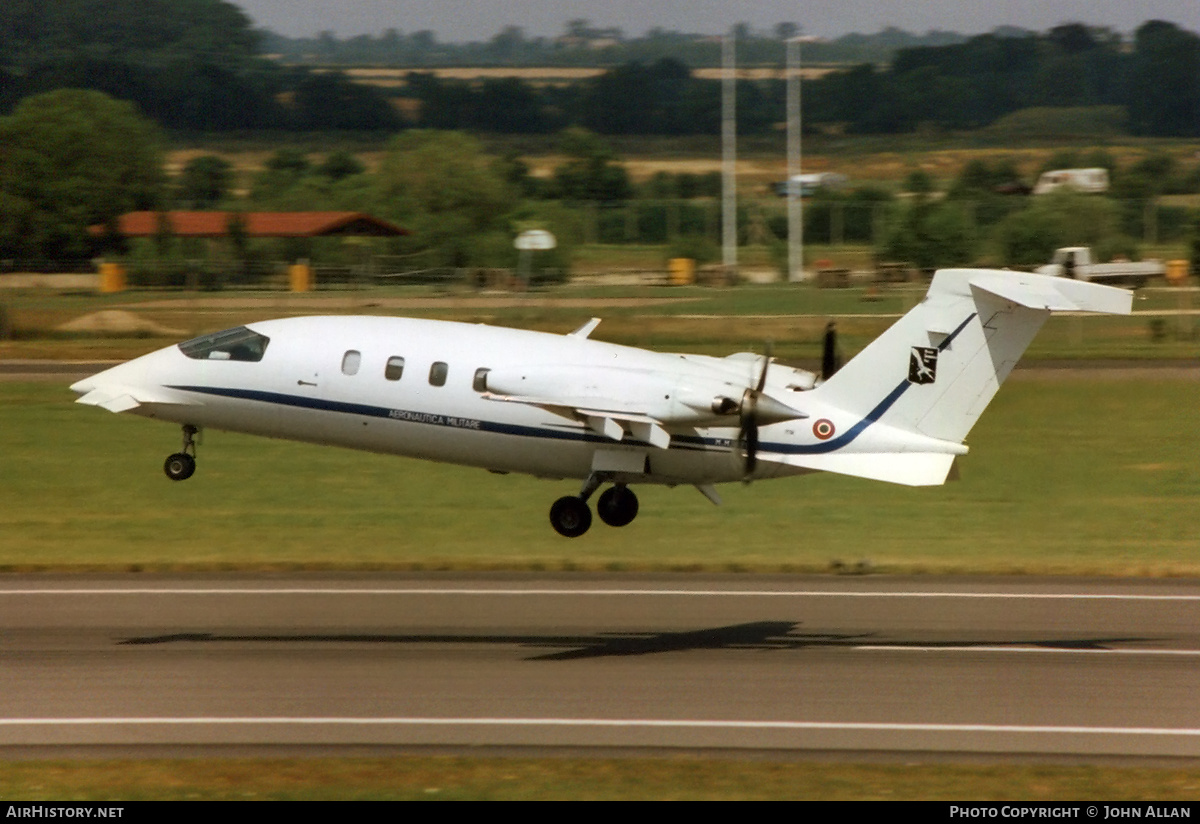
582,44
198,65
1156,79
191,65
1154,83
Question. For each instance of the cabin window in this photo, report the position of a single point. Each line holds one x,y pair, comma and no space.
437,374
394,369
480,382
351,361
240,344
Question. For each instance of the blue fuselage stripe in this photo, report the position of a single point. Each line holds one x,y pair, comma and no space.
401,415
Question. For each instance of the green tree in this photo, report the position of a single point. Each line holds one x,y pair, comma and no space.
72,159
1164,84
191,64
204,181
1194,249
449,192
591,171
332,101
932,234
283,171
1061,219
341,165
979,186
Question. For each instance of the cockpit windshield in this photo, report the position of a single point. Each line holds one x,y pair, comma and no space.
240,344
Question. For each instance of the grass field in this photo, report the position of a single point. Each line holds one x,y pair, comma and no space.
445,778
1082,476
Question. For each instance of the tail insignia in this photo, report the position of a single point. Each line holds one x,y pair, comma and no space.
922,365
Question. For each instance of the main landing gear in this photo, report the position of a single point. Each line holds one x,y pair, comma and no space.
616,506
182,465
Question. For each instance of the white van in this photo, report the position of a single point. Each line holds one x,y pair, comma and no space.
1080,180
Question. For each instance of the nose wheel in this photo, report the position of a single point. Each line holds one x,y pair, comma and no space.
182,465
571,517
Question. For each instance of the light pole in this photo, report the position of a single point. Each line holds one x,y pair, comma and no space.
728,158
795,204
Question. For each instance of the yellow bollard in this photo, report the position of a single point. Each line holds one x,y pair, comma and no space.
683,271
1177,272
112,278
300,277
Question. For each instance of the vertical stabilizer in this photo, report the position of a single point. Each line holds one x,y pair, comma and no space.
916,391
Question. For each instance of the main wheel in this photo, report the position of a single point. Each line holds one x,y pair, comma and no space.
180,466
617,506
570,516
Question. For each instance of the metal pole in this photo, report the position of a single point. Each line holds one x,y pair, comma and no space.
729,158
795,205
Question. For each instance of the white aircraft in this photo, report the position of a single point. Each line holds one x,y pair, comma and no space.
566,406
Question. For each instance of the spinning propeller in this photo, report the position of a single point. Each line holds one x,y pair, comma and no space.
755,410
831,362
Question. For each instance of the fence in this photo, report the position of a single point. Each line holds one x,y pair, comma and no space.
826,222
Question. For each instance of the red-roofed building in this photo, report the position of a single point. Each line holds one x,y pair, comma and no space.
255,224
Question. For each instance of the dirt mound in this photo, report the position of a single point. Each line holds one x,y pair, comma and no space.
118,322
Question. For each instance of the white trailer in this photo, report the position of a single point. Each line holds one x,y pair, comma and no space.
1076,262
1091,181
806,185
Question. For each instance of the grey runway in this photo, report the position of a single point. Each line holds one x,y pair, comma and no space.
995,666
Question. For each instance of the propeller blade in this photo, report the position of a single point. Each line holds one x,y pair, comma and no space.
751,444
830,362
748,418
762,376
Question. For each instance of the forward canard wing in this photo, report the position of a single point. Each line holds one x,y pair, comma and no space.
117,398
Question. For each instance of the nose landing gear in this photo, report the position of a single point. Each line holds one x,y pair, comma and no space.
571,517
182,465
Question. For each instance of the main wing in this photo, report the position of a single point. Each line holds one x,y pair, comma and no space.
643,402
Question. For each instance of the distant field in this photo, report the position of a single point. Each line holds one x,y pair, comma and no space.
550,75
761,159
704,319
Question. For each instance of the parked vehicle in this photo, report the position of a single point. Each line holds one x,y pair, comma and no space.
807,185
1076,262
1091,181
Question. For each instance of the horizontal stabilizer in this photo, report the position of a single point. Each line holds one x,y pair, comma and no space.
1055,294
906,468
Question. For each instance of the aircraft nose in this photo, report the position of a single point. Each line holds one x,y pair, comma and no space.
118,374
84,386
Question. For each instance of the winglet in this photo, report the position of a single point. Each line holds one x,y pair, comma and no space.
586,329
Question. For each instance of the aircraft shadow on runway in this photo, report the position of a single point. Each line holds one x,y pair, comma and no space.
756,635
